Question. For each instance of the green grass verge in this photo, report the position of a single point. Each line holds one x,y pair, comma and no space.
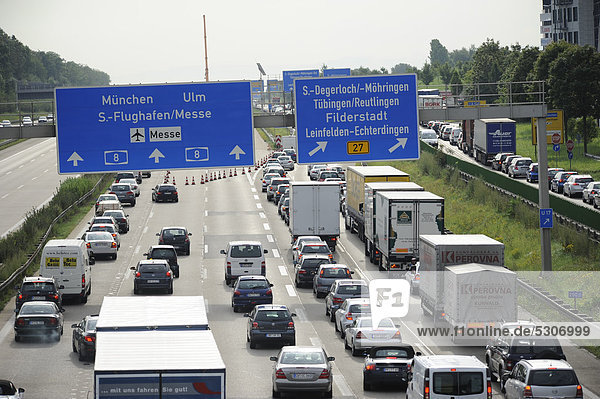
10,144
266,138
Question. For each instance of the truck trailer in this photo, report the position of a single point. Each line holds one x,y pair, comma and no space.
356,178
439,251
314,211
370,210
492,136
399,220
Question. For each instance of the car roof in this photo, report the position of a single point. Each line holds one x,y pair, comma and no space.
302,349
349,282
162,247
245,243
271,307
547,363
581,176
38,279
253,277
166,185
314,256
333,265
358,301
173,227
153,262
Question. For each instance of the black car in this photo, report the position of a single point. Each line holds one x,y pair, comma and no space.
166,252
164,193
125,175
387,365
121,218
270,324
251,290
41,318
38,289
152,274
124,192
502,354
84,337
307,268
8,388
177,236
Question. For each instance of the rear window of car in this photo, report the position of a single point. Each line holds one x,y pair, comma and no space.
552,378
37,308
108,228
120,187
428,135
246,251
272,315
458,383
302,358
392,353
352,289
173,232
98,236
337,272
166,188
313,263
534,168
523,346
152,268
252,284
38,286
315,249
91,325
360,308
583,180
163,253
524,162
115,214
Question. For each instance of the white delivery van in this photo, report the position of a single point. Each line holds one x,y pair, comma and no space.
70,265
244,258
448,376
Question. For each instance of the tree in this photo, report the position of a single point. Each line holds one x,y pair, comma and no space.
426,74
463,55
438,54
456,83
574,84
366,71
401,68
445,73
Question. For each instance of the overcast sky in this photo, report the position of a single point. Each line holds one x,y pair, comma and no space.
152,41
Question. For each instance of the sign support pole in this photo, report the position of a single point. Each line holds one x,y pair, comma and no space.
544,197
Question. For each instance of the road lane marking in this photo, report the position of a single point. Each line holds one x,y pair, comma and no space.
20,187
205,249
33,178
205,199
8,327
262,215
205,213
20,166
258,205
256,197
9,172
46,170
4,196
151,214
300,314
253,189
282,270
205,228
145,230
137,249
266,226
342,250
276,253
341,383
270,238
290,290
33,160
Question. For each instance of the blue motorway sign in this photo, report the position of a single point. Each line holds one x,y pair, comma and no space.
145,127
289,76
336,72
556,147
576,294
362,118
570,155
546,221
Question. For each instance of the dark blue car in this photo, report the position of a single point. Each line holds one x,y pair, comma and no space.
251,290
532,173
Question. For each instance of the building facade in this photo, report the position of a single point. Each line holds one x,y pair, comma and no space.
574,21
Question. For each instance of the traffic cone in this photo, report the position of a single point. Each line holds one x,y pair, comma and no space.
255,167
173,180
230,174
243,171
211,179
219,174
235,172
224,175
201,179
187,183
249,169
193,182
206,178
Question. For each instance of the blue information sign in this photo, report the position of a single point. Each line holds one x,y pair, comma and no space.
336,72
556,147
546,220
145,127
348,119
289,76
575,294
570,155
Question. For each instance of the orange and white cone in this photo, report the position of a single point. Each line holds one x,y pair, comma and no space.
187,183
235,172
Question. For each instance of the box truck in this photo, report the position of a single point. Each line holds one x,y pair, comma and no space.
439,251
399,220
314,211
356,178
492,136
370,210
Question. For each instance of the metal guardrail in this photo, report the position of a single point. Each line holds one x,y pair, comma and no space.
8,282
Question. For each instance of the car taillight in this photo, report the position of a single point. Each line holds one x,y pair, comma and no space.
83,281
187,239
90,339
87,244
20,322
138,274
237,293
113,245
269,292
290,325
349,316
175,192
370,366
130,192
20,296
337,300
360,335
160,240
322,273
333,238
509,365
417,276
55,296
254,325
579,393
301,271
279,374
397,335
330,256
114,235
52,321
527,392
426,390
112,192
324,374
263,268
158,193
169,273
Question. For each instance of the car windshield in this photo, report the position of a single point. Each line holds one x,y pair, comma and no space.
91,325
315,249
120,187
302,358
335,272
163,253
98,236
272,315
152,268
552,378
173,233
246,251
428,136
458,383
37,308
392,353
38,286
360,308
252,284
352,289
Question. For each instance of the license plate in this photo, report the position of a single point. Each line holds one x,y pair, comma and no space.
39,298
101,244
391,369
273,335
166,193
303,376
253,294
36,323
245,264
152,281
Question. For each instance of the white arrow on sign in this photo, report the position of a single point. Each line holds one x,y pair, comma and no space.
156,154
237,151
321,146
75,158
401,142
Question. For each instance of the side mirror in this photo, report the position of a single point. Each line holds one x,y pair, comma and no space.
295,248
351,271
126,216
266,251
246,314
270,285
61,287
132,268
92,260
146,254
157,234
294,315
16,310
330,358
73,325
189,234
273,358
21,390
222,252
418,354
62,310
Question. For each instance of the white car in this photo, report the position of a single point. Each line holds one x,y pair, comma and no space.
134,185
298,243
100,243
428,136
6,123
362,335
575,185
590,191
286,162
27,121
351,309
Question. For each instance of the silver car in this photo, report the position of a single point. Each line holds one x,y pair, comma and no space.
100,243
519,167
286,162
134,185
267,180
111,228
575,185
541,378
590,191
326,275
362,335
302,369
349,311
414,278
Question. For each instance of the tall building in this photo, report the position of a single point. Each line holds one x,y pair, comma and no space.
575,21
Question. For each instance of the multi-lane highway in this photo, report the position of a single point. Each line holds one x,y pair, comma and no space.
215,213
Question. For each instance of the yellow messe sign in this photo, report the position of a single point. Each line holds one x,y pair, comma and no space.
554,125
